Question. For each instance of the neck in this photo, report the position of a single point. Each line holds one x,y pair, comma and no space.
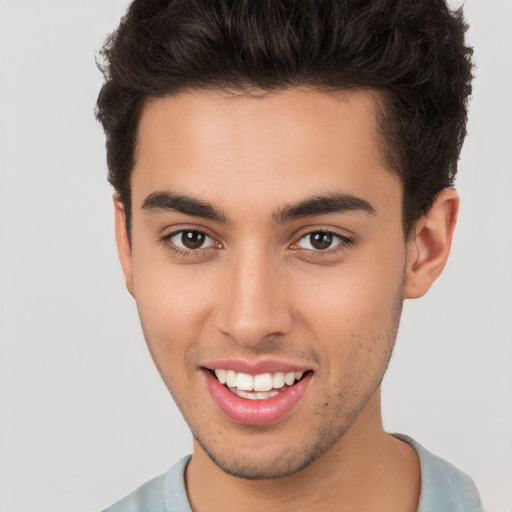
365,470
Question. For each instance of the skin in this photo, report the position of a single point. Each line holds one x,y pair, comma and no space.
257,289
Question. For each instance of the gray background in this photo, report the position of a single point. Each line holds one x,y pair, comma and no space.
84,416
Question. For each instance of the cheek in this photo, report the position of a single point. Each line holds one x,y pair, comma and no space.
172,301
355,308
352,302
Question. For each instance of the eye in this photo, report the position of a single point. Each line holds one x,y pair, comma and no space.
320,241
190,240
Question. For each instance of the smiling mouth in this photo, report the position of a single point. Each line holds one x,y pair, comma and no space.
257,387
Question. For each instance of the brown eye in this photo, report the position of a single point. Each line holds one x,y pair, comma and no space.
320,241
191,240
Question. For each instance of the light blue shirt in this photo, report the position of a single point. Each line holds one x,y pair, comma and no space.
443,488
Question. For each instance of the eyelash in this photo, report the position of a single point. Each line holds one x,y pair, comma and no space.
343,244
166,241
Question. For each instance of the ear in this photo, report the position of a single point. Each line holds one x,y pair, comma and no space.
429,246
123,243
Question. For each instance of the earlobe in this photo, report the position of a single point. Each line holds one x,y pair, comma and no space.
429,246
123,243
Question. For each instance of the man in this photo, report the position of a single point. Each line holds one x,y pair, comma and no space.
283,174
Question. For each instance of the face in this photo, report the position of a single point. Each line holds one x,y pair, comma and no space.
267,264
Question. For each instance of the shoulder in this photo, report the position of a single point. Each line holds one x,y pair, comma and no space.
164,493
443,486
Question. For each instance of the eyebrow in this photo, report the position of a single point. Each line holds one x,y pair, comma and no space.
322,204
188,205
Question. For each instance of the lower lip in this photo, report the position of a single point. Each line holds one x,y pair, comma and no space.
256,412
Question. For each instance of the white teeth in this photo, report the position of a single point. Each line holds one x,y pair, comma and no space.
245,394
254,396
289,378
221,376
269,394
245,382
278,380
231,378
263,382
263,385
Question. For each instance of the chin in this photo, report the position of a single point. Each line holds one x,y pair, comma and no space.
259,465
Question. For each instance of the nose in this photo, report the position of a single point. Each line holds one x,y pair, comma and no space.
253,305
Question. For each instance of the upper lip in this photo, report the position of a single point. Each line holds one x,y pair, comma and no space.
255,367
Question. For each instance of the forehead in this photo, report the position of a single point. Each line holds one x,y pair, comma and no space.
263,148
